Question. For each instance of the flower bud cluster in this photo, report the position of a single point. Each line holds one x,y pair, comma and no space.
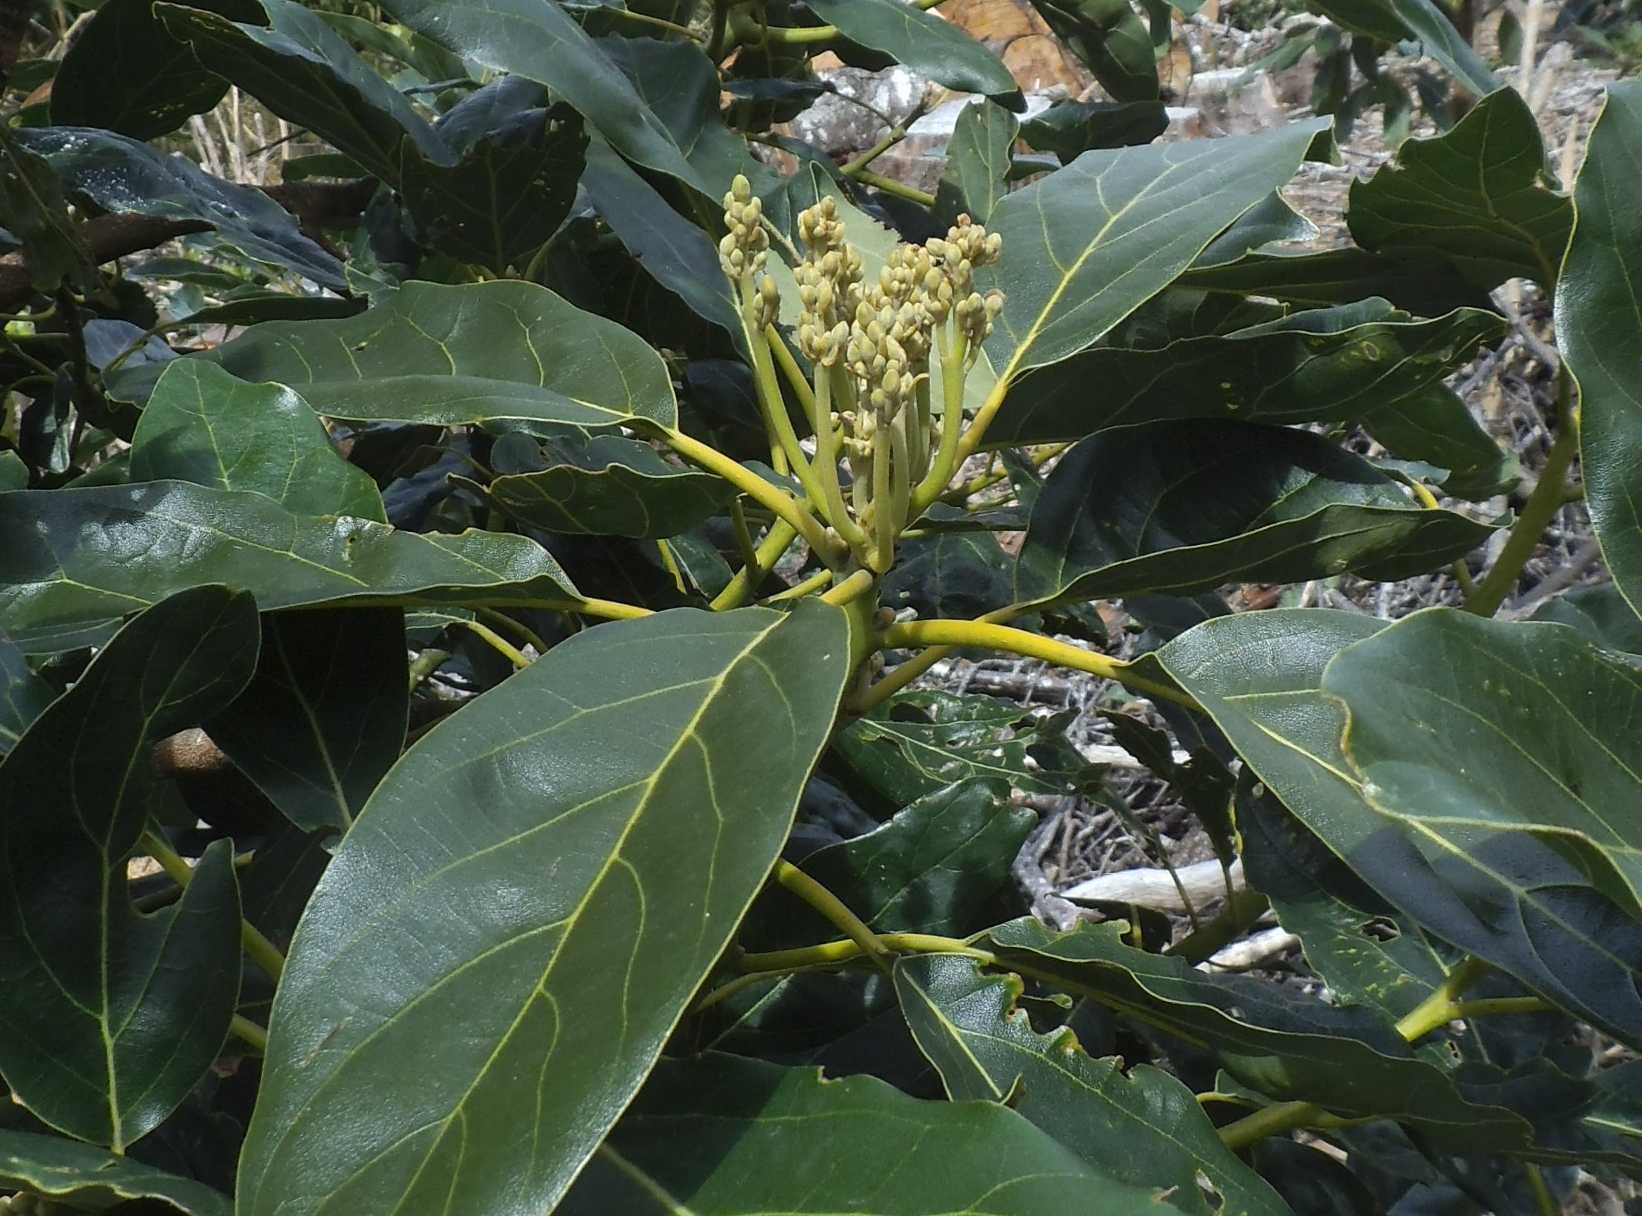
746,245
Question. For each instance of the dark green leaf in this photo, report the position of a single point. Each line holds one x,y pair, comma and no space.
125,73
923,42
1349,1060
1071,128
1438,428
1179,507
270,306
1087,245
1328,365
952,574
671,249
1270,221
1111,40
1519,901
92,1179
23,695
324,717
202,425
579,892
14,474
538,40
111,1017
1599,331
1600,613
1422,20
1312,1182
977,163
937,866
1541,774
1341,276
31,198
723,1136
122,175
917,742
1142,1127
83,558
608,486
456,355
1475,195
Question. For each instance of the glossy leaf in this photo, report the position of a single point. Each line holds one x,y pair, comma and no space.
32,197
125,73
1111,40
123,175
88,1178
1328,365
111,1017
1475,195
538,40
323,718
607,486
977,162
939,865
1518,900
604,766
1087,245
1349,1060
204,426
917,742
456,355
1599,331
723,1136
1071,128
1141,1126
1181,507
923,42
671,249
952,574
84,558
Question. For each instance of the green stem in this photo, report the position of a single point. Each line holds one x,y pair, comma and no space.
772,498
1438,1009
798,591
831,954
883,507
249,1032
497,643
610,610
916,666
835,912
740,588
752,979
1542,505
896,135
428,662
743,534
954,352
790,371
1269,1121
258,948
1543,1199
826,463
890,186
671,27
1032,645
852,588
770,400
525,632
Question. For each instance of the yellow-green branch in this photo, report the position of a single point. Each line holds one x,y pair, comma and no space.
772,498
257,948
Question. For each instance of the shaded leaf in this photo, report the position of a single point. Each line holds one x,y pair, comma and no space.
923,42
111,1017
936,866
202,425
1422,20
1348,1060
324,716
1474,195
605,485
1600,613
917,742
1326,365
14,474
1311,1181
1340,276
125,73
1071,128
1087,245
123,175
1142,1127
31,197
23,695
1180,507
538,40
1269,222
84,558
92,1179
959,574
977,163
603,765
1599,331
455,355
1111,40
723,1136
